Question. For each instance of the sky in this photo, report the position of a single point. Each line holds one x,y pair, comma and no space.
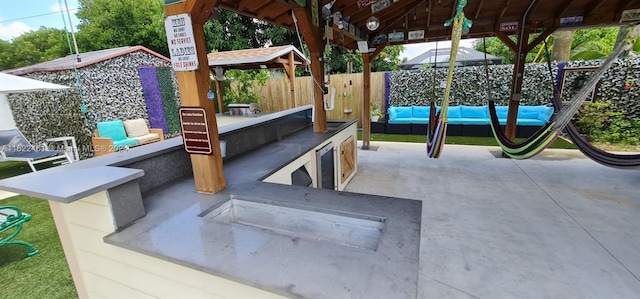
413,50
20,16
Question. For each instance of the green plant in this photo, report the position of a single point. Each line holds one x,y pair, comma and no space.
245,86
600,123
376,111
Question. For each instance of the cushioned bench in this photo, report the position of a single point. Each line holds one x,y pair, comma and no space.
115,135
466,120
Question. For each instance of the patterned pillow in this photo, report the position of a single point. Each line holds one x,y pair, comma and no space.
136,127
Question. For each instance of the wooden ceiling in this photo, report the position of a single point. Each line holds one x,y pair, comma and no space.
430,15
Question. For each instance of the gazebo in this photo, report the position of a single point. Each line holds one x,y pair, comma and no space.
372,25
285,57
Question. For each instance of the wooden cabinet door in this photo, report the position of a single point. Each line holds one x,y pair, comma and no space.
347,158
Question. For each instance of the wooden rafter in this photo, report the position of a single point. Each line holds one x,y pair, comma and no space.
401,16
429,15
563,9
507,41
593,6
503,11
388,12
542,36
479,9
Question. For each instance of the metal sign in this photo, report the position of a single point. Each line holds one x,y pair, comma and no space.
630,15
509,26
195,130
182,45
571,21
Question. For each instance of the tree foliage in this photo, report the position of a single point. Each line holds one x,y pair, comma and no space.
387,60
33,47
232,31
587,44
107,24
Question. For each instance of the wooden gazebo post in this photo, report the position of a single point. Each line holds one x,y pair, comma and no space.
523,47
313,37
194,85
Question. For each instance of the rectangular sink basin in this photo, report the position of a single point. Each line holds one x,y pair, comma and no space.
348,229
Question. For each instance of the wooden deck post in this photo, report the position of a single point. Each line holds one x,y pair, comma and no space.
366,100
194,86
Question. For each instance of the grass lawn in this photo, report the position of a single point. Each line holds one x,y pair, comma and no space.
484,141
45,275
14,168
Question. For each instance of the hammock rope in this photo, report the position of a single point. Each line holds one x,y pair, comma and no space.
560,119
459,25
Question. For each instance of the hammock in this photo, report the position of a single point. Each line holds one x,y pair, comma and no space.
544,137
436,137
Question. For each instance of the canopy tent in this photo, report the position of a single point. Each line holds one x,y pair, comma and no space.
15,84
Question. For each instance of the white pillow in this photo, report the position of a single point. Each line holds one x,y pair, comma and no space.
136,127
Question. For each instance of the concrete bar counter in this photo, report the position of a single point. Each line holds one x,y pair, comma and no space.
132,224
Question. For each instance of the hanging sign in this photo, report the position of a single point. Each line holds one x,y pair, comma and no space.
630,15
571,21
182,45
396,36
509,26
380,5
416,34
195,131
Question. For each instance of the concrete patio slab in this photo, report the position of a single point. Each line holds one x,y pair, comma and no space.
558,225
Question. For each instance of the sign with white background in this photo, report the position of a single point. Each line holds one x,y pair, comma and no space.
182,45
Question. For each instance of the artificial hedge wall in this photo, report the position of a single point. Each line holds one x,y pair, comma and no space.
107,90
409,88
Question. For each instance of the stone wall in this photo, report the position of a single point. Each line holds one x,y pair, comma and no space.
107,90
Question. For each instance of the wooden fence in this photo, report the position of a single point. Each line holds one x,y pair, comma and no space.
275,94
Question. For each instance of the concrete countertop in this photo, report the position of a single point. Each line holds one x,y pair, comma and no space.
179,228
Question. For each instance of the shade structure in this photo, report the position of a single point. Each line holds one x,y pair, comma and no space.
16,84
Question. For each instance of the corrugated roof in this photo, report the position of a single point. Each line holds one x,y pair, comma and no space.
465,55
88,58
254,56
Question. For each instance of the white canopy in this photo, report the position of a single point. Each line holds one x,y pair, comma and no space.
16,84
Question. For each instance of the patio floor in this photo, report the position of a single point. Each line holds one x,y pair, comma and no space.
558,225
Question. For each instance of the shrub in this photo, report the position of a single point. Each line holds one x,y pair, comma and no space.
599,123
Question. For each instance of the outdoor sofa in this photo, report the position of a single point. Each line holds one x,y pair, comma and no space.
115,135
465,120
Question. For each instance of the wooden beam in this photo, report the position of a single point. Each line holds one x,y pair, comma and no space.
398,18
503,11
479,9
292,79
429,15
378,50
200,10
563,8
208,172
366,100
593,6
507,41
541,37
